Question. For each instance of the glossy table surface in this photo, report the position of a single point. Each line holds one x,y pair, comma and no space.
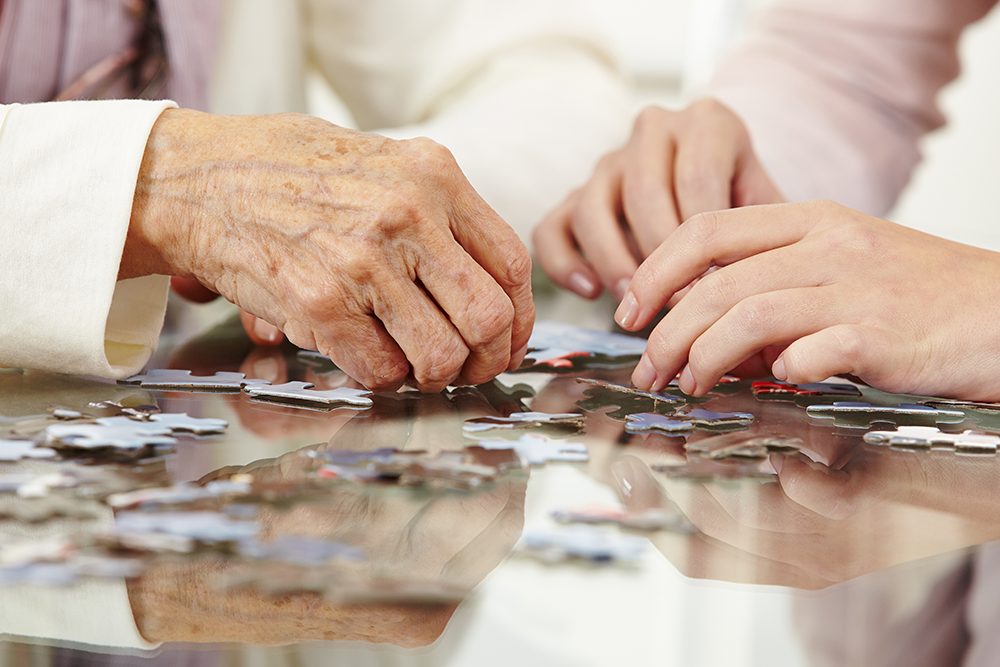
853,554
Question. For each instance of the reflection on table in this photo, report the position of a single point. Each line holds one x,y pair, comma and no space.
836,551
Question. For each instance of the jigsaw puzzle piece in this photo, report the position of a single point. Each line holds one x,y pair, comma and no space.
926,438
181,422
741,446
538,450
655,396
557,345
645,422
708,420
134,435
303,394
181,380
850,414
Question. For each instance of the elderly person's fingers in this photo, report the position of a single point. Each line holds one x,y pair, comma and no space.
260,331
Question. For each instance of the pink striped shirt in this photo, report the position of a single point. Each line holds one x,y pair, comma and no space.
47,45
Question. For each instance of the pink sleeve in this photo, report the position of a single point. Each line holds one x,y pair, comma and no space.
837,94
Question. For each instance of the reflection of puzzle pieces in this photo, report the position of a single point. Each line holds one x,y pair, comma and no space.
590,543
206,527
568,421
926,438
131,436
740,446
849,414
984,415
803,395
300,550
180,380
15,450
655,518
302,394
499,395
536,450
727,385
707,470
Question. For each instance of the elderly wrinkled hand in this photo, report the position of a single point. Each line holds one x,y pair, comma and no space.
674,166
376,252
806,291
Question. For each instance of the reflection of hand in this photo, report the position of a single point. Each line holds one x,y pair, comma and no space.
845,292
376,252
856,510
675,165
452,540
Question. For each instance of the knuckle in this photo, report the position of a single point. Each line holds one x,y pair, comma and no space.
756,315
441,365
849,342
518,265
697,175
493,315
385,374
650,116
704,228
429,155
701,358
718,290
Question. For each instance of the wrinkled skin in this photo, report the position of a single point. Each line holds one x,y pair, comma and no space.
675,165
376,252
810,290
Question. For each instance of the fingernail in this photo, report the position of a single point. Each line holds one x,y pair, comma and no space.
621,288
687,382
582,285
517,358
628,311
778,369
644,375
266,331
266,369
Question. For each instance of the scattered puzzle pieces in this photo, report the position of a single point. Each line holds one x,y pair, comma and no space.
302,394
556,345
134,435
848,414
538,450
926,438
561,421
589,543
656,518
181,422
645,422
180,380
